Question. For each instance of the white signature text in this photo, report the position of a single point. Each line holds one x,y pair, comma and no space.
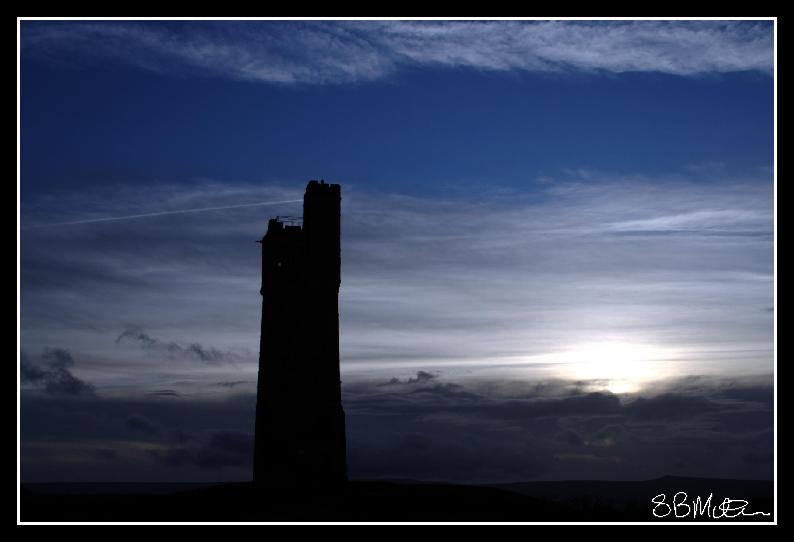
681,507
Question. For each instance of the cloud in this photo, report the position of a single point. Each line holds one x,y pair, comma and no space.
477,279
61,438
312,52
216,449
571,438
230,383
472,430
164,393
682,48
423,278
421,376
716,221
670,407
138,423
56,379
163,213
30,372
493,435
172,350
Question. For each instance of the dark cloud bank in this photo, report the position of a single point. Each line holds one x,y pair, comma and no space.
52,374
422,427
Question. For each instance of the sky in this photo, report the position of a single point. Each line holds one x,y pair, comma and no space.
557,243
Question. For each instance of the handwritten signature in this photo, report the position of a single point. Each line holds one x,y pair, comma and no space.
680,507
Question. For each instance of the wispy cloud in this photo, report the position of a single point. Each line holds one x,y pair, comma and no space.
307,52
169,349
164,213
729,221
487,280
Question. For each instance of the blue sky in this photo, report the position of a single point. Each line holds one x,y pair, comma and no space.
418,127
523,203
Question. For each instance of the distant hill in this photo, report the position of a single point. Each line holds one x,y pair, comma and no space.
386,501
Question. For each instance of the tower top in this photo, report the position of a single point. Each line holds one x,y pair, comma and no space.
321,185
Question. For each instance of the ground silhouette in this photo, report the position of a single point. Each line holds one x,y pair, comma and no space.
359,500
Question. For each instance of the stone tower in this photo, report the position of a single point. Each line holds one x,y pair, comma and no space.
300,424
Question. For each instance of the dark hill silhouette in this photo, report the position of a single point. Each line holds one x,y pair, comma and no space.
381,501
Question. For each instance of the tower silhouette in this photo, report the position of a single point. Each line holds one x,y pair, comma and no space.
300,423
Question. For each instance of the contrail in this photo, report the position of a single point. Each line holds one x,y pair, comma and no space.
160,213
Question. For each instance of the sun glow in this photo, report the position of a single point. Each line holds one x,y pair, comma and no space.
616,366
